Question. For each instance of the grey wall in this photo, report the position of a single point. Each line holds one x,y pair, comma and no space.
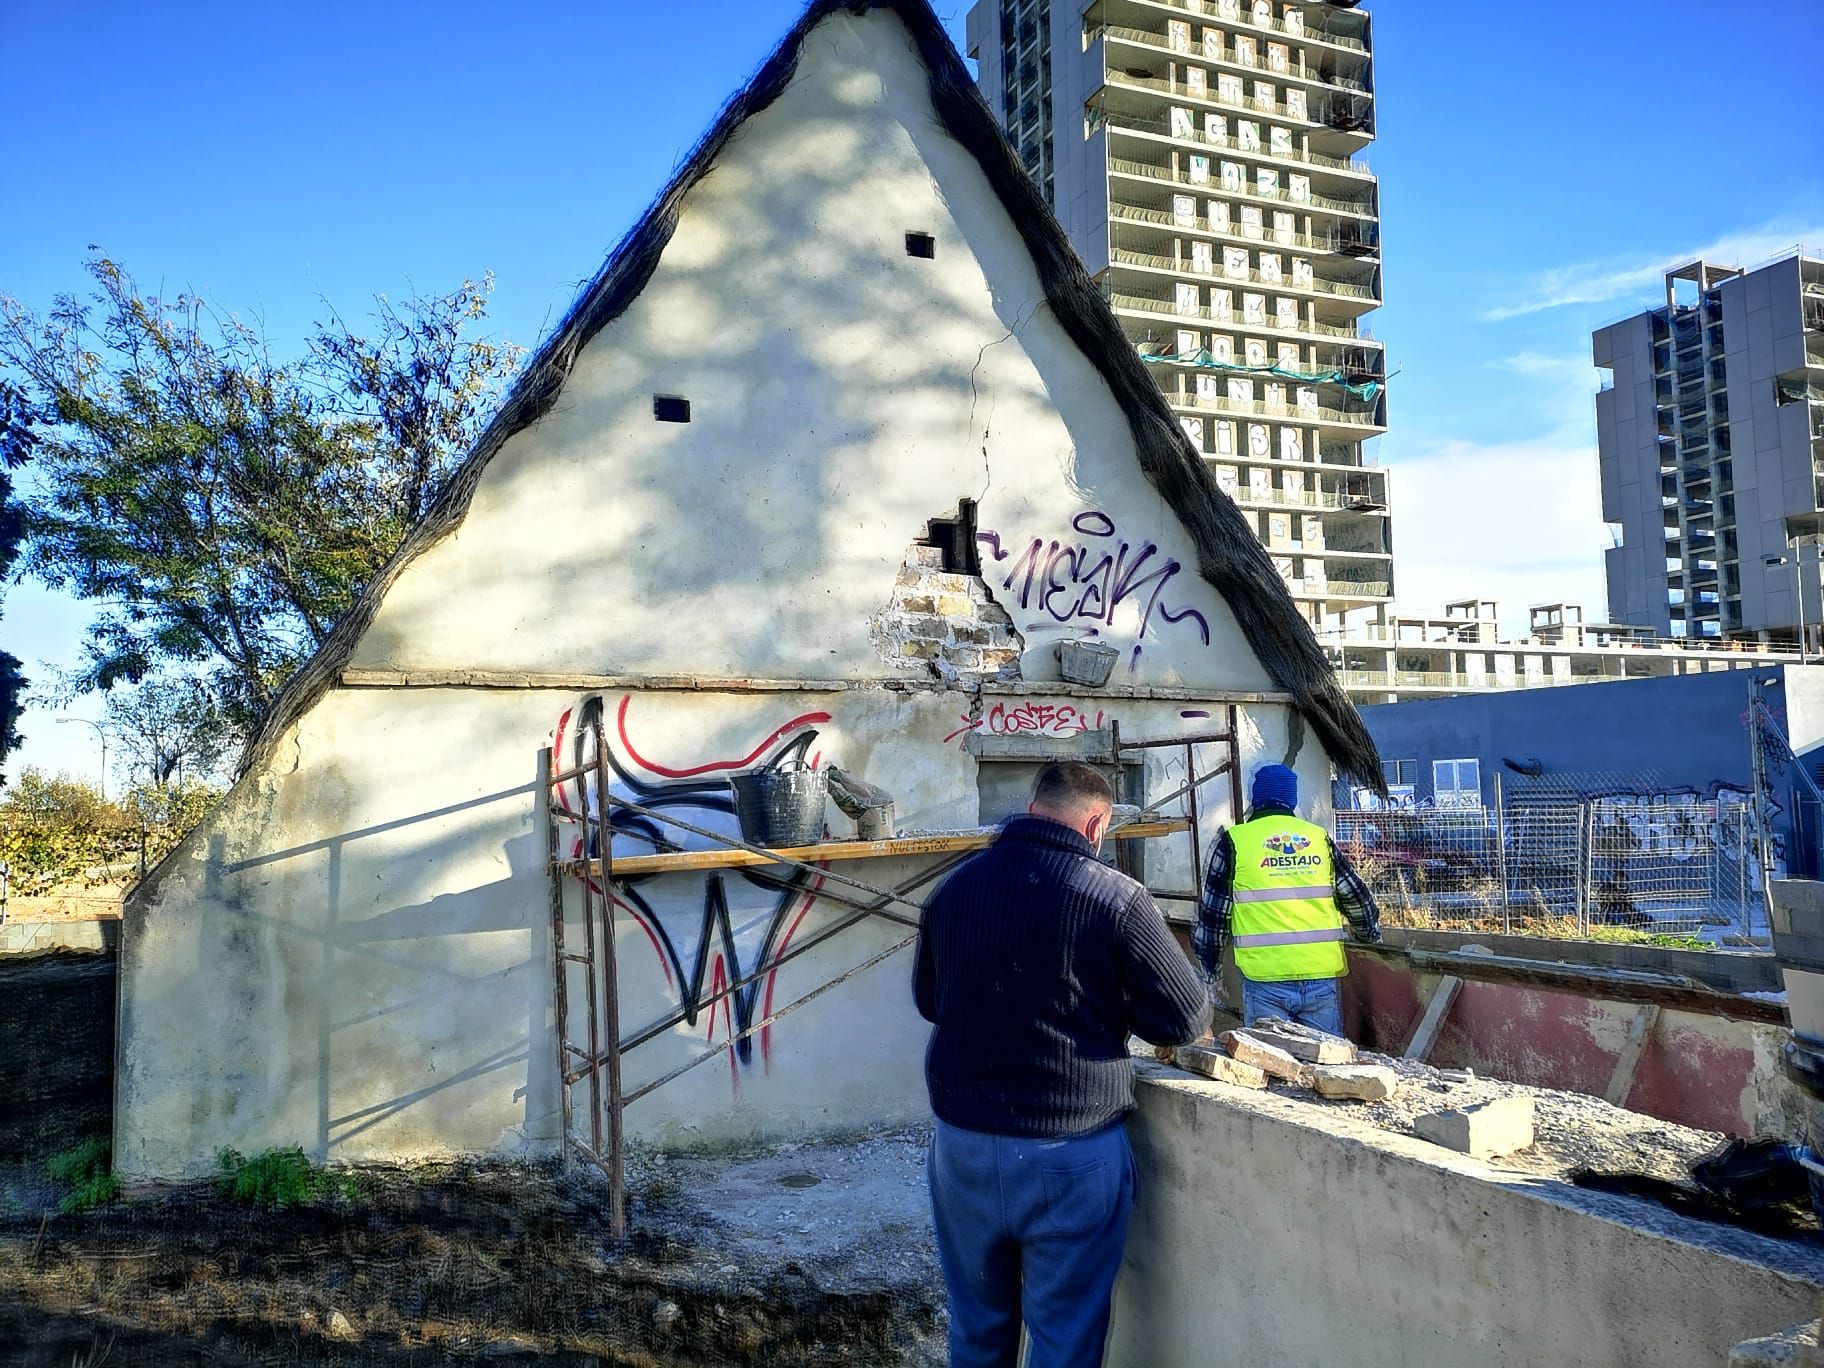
1272,1234
1627,429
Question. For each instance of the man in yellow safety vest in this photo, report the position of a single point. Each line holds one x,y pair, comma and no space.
1280,892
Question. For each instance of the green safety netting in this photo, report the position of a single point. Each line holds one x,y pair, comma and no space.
1366,389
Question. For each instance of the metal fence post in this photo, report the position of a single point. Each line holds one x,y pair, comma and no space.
1507,926
1583,867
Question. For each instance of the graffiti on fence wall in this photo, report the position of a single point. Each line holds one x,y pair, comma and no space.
1031,718
1085,580
725,926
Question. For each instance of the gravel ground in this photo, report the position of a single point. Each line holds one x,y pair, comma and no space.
1571,1130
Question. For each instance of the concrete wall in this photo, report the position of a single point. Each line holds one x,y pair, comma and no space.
351,954
1627,431
1272,1233
1697,1068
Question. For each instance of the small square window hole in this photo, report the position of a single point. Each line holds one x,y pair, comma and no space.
669,408
921,245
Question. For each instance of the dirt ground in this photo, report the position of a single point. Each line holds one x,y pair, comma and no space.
56,1050
727,1261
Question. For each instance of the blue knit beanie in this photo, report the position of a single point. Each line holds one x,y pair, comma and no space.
1276,786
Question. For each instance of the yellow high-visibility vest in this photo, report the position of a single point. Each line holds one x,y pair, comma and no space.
1285,924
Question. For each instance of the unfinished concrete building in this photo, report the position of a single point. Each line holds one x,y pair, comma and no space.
1711,430
1203,159
1463,651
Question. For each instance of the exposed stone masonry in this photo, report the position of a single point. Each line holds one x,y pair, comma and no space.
945,623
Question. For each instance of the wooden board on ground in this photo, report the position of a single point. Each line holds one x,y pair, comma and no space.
1433,1021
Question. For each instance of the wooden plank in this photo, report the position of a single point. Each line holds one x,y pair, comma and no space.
1640,1031
1432,1022
683,861
444,678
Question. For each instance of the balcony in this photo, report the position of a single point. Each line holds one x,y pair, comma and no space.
1335,289
1352,240
1227,56
1306,500
1121,166
1299,34
1142,126
1363,421
1165,310
1338,115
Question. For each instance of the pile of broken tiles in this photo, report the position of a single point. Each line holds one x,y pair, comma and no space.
1292,1053
1307,1058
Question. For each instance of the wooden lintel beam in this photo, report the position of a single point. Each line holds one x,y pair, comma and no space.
566,682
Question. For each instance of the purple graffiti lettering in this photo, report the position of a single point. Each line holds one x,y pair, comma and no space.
1079,586
1094,524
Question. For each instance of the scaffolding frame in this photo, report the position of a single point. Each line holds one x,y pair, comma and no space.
595,1065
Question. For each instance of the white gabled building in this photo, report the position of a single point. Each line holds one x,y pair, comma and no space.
834,452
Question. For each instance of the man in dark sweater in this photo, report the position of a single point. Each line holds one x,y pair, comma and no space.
1035,963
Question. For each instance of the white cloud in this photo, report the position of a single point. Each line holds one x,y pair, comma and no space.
1520,522
1624,277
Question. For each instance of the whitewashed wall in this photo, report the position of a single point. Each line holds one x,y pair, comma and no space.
351,954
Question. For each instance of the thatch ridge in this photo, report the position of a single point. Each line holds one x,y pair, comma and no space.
1229,556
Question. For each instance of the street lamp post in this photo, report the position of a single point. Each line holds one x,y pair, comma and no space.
1798,590
102,732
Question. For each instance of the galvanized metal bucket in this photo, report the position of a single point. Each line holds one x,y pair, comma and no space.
1086,662
781,807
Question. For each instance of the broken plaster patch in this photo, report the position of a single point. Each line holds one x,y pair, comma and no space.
944,624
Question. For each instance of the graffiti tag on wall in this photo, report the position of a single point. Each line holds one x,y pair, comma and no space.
1084,582
1029,719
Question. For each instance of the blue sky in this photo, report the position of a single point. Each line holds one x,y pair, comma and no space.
1539,165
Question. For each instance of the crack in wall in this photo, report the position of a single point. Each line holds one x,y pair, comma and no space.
975,392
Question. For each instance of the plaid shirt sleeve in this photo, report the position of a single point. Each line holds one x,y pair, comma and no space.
1215,911
1353,899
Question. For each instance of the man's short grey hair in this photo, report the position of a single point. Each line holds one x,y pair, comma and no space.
1070,785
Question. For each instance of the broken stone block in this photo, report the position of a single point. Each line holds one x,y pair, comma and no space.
1499,1126
1200,1059
1355,1082
956,605
1305,1042
1269,1059
930,557
918,603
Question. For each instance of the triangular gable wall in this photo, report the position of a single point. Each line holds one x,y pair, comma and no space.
1220,544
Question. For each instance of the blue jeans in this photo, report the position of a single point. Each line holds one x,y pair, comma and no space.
1030,1229
1313,1002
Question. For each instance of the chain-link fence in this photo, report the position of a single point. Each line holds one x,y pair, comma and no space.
1580,852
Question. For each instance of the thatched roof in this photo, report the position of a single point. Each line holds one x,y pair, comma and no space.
1229,555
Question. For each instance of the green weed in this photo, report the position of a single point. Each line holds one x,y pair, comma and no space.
277,1178
87,1168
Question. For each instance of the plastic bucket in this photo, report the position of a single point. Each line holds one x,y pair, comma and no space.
780,807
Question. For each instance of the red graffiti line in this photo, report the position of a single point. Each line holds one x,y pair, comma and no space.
969,724
620,722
